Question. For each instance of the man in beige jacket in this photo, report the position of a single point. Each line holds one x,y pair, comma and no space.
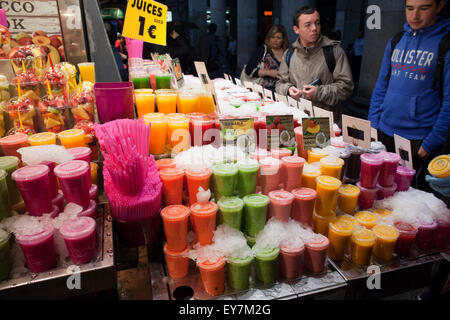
308,62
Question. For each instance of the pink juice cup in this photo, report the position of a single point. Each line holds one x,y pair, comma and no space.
425,239
33,183
388,169
52,178
316,253
259,154
38,248
366,197
299,137
404,178
280,205
303,206
93,192
406,238
90,212
371,164
292,172
442,235
75,182
270,170
79,236
386,192
280,153
291,262
81,153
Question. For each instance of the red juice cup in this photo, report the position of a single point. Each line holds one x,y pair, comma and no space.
203,221
213,276
404,178
388,169
195,180
291,262
33,183
299,137
303,205
198,128
165,164
172,179
442,235
371,164
406,238
270,170
259,154
425,239
90,212
93,192
366,197
81,153
38,248
52,178
292,172
175,222
316,253
79,236
386,192
75,181
280,153
177,262
10,144
280,205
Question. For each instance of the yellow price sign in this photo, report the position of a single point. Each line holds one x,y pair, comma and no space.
146,20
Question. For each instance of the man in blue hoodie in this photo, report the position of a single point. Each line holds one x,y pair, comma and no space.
404,101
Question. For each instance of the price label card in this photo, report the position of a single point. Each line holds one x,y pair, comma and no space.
292,102
176,66
227,77
403,149
258,88
374,134
281,98
239,132
268,94
356,131
316,132
238,82
306,106
318,112
147,21
207,84
280,131
248,85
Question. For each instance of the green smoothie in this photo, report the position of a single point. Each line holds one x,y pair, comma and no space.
5,259
163,81
225,180
11,164
141,82
251,241
266,265
239,273
230,209
255,213
247,177
5,208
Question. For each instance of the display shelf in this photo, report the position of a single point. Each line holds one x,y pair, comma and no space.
96,276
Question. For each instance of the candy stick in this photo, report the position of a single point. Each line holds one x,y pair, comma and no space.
49,90
19,92
23,66
51,63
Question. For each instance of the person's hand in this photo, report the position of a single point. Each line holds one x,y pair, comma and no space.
422,153
309,92
174,34
441,185
295,93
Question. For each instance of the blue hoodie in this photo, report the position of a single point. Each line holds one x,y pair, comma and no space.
407,105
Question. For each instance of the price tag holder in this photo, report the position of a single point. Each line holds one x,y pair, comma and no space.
148,23
268,94
319,112
403,149
259,89
238,82
292,102
227,77
248,85
207,84
356,131
306,106
374,134
178,73
316,132
280,131
281,98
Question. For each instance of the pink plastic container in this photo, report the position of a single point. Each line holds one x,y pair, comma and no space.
404,178
74,181
292,172
33,183
442,235
52,178
371,164
366,197
90,212
384,193
425,239
270,178
280,205
388,169
303,206
291,262
93,192
81,153
59,201
114,101
79,236
406,238
316,253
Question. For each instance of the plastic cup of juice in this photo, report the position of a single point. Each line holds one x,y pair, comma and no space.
34,185
172,179
332,166
309,176
280,205
442,235
348,198
404,178
366,197
166,101
316,253
259,154
388,169
367,219
247,177
79,236
345,155
385,241
292,172
212,274
425,239
299,138
321,224
5,208
187,102
354,164
203,221
371,165
75,181
163,80
205,103
72,138
291,261
179,136
11,164
165,164
10,144
145,102
5,258
407,235
315,155
175,222
87,71
94,173
225,180
362,243
327,194
339,234
266,262
303,205
280,153
141,80
38,247
195,180
81,153
158,132
440,167
386,192
177,262
255,213
43,138
231,211
239,272
270,174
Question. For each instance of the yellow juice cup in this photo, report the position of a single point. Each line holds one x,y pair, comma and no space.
309,176
41,139
339,234
367,219
315,155
362,242
205,103
87,71
158,132
187,103
348,198
332,166
350,219
178,133
72,138
166,101
385,240
321,224
440,167
327,194
145,102
94,173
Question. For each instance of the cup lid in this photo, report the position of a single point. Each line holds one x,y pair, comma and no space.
385,232
372,158
349,190
298,248
440,166
78,227
43,136
311,170
332,161
71,133
34,234
80,152
282,196
383,212
143,91
390,157
329,181
204,208
71,168
248,164
175,212
318,152
212,265
225,169
343,226
28,173
231,203
258,200
363,235
280,153
17,138
391,189
260,153
304,193
154,117
240,261
293,160
165,164
358,184
366,217
405,171
318,241
349,219
268,254
198,172
176,253
9,162
270,162
171,172
405,228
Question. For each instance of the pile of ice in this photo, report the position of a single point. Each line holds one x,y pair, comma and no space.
38,154
199,158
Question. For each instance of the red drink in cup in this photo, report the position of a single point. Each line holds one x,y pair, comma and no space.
10,144
303,206
292,172
79,236
425,239
280,205
81,153
75,180
404,178
270,170
406,239
366,197
316,253
370,169
442,235
291,262
90,212
388,169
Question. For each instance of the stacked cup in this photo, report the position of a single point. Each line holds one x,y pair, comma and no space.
371,165
386,182
326,202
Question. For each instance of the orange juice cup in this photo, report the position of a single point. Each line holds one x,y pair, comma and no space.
385,241
43,138
339,234
166,101
94,173
327,193
177,262
158,132
87,71
195,180
179,136
315,155
205,102
332,166
187,103
203,221
350,219
348,198
321,224
367,219
309,176
145,101
72,138
362,242
175,222
172,179
165,164
213,276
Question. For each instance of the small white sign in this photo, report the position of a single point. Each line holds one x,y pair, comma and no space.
248,85
374,134
321,113
356,131
403,149
268,94
292,102
306,106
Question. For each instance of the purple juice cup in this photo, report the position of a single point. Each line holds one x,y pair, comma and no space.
81,153
426,235
371,164
75,182
404,178
366,197
90,212
52,178
79,236
33,183
114,101
442,235
386,192
388,169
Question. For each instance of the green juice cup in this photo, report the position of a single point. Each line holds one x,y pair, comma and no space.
11,164
225,180
141,82
5,208
255,213
239,273
163,81
5,259
251,241
266,265
247,177
231,211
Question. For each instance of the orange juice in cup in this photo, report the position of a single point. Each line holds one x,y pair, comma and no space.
195,180
172,179
177,262
213,275
205,102
362,242
145,102
321,224
332,166
158,132
327,193
339,234
178,133
166,101
385,241
175,222
72,138
315,155
187,102
367,219
43,138
309,176
203,221
348,198
87,71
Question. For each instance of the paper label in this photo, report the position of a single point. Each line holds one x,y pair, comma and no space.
316,132
280,131
356,131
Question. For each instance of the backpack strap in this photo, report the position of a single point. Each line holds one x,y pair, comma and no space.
329,58
444,46
394,41
289,56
